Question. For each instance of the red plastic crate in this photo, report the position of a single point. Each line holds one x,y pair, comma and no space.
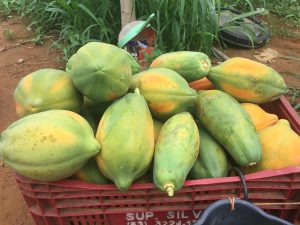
74,202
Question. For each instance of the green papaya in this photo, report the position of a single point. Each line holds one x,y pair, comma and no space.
100,71
229,123
91,173
126,135
96,109
48,146
190,65
135,66
176,151
146,178
157,127
211,161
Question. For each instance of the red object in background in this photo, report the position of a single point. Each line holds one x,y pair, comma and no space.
74,202
142,44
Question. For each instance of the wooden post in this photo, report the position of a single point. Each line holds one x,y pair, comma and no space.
127,11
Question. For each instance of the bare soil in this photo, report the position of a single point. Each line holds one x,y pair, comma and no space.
12,206
16,62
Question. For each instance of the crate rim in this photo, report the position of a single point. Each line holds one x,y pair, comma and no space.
72,183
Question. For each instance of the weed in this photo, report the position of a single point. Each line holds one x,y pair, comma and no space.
9,35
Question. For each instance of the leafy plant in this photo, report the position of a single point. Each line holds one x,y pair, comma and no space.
182,25
287,9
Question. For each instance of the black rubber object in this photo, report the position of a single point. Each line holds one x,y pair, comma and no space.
237,38
243,181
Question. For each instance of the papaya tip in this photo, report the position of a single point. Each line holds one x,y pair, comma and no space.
170,190
137,91
252,164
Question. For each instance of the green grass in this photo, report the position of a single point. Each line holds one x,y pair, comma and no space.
74,22
289,10
180,24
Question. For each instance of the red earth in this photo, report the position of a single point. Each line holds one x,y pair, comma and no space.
18,60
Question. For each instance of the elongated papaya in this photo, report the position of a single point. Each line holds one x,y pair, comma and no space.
202,84
176,151
248,80
190,65
157,127
228,122
165,91
211,161
126,135
48,146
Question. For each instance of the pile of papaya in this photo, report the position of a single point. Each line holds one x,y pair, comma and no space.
103,120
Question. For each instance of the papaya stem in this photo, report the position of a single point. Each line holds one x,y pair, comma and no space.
252,164
170,190
137,91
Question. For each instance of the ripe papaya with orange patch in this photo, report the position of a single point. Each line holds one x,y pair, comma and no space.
46,89
248,80
48,146
259,117
165,91
280,146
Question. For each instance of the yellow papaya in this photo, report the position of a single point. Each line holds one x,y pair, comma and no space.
280,145
176,151
46,89
126,135
259,117
48,146
248,80
165,91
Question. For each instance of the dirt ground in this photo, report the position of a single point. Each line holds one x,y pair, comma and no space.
16,62
12,207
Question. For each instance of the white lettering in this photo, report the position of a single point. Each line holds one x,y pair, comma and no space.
196,214
129,216
149,215
170,215
183,216
140,216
